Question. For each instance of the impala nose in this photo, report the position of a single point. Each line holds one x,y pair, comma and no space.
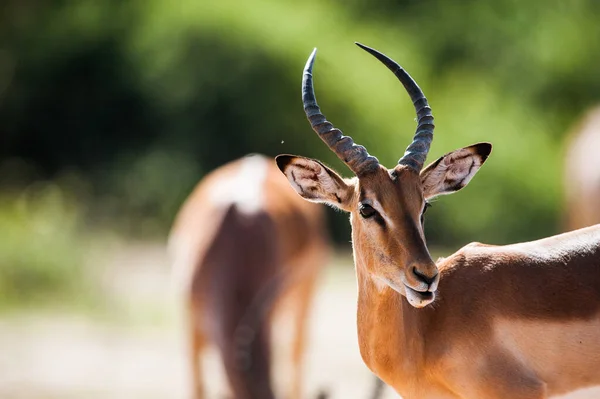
429,280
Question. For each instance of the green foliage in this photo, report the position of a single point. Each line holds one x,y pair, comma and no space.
41,251
153,185
143,96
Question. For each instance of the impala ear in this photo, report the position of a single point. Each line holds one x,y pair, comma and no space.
454,170
315,181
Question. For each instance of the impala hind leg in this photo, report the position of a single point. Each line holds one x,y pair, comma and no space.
301,304
196,343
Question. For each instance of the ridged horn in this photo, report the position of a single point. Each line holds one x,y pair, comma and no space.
416,152
354,156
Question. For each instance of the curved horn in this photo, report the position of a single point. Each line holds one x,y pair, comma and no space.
355,156
416,152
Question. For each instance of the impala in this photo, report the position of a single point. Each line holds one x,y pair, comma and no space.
582,172
244,243
518,321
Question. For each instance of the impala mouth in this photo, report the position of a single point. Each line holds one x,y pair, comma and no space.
419,299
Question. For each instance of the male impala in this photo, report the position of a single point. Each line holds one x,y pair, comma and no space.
507,322
244,242
582,172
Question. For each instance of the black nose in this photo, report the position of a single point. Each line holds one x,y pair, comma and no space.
424,278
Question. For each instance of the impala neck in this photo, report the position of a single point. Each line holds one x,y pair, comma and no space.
389,329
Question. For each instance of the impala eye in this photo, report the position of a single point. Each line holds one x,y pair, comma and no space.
367,211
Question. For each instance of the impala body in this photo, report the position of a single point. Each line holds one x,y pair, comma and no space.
582,172
519,321
243,244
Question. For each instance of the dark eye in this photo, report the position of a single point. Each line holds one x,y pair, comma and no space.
367,211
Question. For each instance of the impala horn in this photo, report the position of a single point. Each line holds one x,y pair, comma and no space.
354,156
416,152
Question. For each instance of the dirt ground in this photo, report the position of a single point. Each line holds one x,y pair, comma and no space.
135,351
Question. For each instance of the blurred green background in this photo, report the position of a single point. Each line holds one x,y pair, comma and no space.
111,111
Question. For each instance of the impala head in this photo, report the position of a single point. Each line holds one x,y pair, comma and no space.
386,205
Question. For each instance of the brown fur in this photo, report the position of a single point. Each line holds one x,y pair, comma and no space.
452,343
582,172
237,267
518,321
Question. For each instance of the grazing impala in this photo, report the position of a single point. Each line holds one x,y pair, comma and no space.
582,172
242,243
518,321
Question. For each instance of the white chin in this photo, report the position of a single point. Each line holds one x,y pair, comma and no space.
419,299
